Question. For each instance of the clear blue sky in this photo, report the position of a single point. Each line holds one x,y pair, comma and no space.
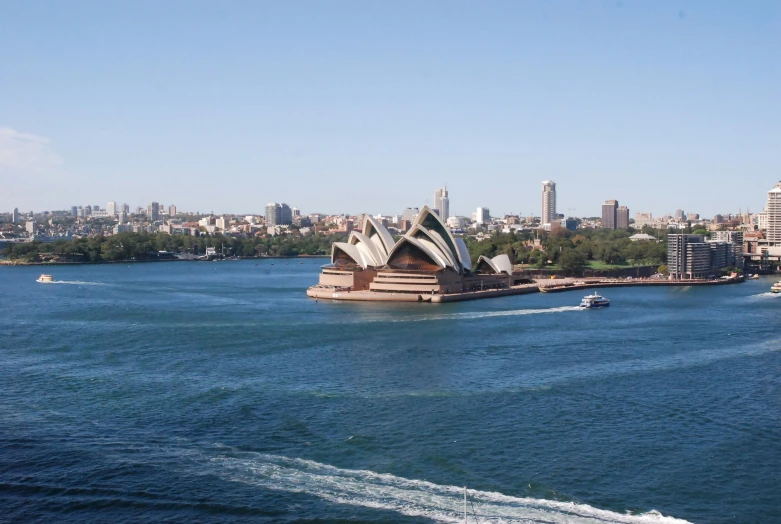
363,106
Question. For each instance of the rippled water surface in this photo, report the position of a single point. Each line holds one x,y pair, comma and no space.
218,392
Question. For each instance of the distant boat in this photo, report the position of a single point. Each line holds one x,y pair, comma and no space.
45,279
776,288
594,301
754,276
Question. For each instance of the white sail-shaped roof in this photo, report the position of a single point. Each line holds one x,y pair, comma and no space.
359,256
378,234
420,232
463,254
365,244
498,264
413,253
431,221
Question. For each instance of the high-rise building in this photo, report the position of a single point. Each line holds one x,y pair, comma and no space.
223,222
442,203
610,214
126,208
679,215
622,217
171,211
15,216
482,215
74,211
296,212
88,210
278,214
409,214
111,209
31,226
153,212
548,202
773,215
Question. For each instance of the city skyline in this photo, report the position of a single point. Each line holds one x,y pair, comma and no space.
623,100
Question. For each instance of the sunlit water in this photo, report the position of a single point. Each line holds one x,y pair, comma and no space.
219,392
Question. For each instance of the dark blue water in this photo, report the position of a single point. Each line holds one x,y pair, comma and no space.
218,392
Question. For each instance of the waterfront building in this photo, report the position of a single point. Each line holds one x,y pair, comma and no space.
31,226
442,203
622,217
111,209
610,214
548,202
428,259
773,215
690,256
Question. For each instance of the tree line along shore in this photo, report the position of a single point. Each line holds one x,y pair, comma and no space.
561,251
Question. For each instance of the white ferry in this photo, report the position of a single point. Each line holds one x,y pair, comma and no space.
594,301
776,288
45,279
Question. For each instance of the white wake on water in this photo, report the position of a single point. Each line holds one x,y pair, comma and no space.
767,294
415,498
473,315
77,283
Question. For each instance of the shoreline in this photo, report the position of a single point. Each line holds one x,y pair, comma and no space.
21,263
327,293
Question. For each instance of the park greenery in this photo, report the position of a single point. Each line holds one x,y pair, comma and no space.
148,246
562,250
572,251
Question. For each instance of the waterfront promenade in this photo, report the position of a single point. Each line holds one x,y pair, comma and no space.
545,286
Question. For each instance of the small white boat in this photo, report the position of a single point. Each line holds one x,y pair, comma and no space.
594,301
776,288
753,277
45,279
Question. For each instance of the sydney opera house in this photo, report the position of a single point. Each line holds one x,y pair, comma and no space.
427,261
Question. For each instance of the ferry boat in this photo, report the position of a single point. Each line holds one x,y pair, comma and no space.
45,279
594,301
776,288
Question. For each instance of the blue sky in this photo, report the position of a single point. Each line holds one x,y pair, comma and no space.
369,106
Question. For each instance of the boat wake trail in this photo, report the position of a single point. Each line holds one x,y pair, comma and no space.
473,315
415,498
767,294
78,283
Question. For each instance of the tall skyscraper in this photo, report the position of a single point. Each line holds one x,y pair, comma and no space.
610,214
111,209
153,212
482,215
548,202
442,203
773,214
622,217
74,211
15,216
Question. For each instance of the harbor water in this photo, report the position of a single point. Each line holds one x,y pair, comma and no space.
218,392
